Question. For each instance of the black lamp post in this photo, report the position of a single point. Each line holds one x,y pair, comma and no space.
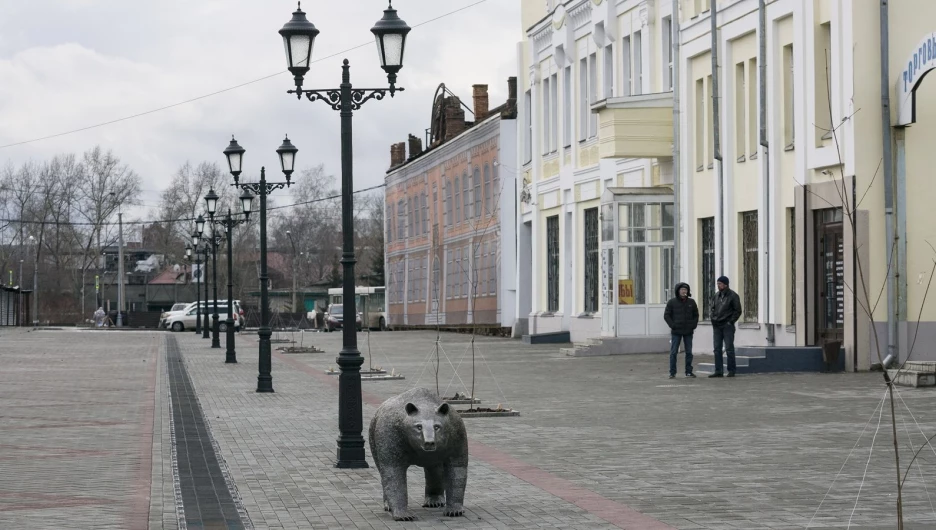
235,157
214,239
299,38
206,248
188,250
228,223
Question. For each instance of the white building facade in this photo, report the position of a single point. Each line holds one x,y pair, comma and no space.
595,231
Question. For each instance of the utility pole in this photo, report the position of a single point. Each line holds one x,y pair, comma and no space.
120,270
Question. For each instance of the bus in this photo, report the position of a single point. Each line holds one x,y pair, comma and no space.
369,302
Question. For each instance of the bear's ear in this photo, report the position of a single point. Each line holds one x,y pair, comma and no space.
443,409
411,409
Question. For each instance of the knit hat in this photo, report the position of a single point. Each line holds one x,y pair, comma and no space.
723,279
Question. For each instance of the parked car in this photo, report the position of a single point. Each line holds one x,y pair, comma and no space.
334,318
185,319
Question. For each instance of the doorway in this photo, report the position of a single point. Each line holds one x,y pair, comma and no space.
830,277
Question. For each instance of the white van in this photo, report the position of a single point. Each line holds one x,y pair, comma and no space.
185,319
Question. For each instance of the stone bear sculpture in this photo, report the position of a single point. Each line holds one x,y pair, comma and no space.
417,428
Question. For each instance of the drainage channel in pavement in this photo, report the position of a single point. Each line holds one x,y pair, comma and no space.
207,501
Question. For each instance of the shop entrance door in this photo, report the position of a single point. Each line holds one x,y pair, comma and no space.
830,277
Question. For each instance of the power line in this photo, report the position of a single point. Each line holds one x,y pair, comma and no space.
264,78
181,219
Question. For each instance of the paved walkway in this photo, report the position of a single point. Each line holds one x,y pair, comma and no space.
601,442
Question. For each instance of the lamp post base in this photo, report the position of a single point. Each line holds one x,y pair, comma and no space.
350,420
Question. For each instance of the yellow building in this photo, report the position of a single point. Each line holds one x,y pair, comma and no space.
791,203
596,216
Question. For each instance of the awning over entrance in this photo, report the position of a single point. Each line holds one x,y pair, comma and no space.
637,254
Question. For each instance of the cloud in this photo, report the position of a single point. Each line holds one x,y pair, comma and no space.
68,64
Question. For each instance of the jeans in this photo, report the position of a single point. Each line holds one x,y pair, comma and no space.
674,349
724,333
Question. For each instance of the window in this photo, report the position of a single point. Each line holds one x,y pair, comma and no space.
749,240
753,108
457,201
707,233
474,288
448,201
626,67
466,196
449,266
554,114
435,206
425,202
592,95
477,192
528,126
740,108
465,268
823,69
789,135
710,103
591,260
495,182
699,125
410,227
388,221
401,220
552,263
667,31
608,72
583,100
567,107
638,64
481,267
487,189
492,284
546,129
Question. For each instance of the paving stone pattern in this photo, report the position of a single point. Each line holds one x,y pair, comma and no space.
76,429
751,452
85,437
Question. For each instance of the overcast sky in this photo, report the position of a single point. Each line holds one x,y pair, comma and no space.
68,64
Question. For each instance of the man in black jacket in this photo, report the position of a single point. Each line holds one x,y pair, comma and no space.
726,310
682,316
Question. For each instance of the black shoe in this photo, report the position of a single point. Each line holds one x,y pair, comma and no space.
730,374
690,374
672,376
717,374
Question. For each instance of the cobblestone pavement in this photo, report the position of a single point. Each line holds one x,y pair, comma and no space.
597,436
77,416
601,442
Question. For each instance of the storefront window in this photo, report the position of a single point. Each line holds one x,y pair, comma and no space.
645,270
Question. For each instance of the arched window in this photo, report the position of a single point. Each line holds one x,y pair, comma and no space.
466,196
457,202
488,207
447,197
425,219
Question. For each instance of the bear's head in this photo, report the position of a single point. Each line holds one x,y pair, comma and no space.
426,430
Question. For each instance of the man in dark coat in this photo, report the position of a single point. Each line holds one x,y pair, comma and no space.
682,316
726,310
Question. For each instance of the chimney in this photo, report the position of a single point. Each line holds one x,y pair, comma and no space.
480,96
454,118
397,154
510,108
415,146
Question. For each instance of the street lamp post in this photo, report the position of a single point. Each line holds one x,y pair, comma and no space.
235,157
188,251
209,246
299,38
228,222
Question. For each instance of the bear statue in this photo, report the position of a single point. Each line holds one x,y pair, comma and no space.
417,428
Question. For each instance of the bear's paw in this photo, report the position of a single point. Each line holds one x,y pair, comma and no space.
434,501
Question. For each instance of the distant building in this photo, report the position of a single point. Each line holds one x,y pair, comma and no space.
450,210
